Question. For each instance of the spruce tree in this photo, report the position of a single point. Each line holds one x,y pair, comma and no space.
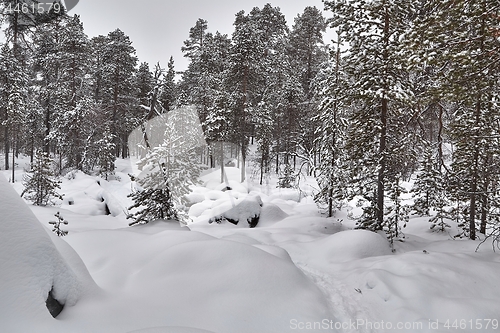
106,153
40,184
169,166
396,214
153,204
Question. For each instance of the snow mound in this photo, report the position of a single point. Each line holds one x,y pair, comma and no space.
114,207
271,214
244,283
34,262
286,194
198,209
194,198
309,225
349,245
190,279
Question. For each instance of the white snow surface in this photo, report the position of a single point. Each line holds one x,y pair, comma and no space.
32,263
297,271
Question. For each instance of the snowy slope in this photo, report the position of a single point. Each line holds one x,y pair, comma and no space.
32,263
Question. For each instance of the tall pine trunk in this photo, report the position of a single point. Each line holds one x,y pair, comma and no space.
383,136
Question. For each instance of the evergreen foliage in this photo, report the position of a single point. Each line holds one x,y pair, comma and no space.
57,225
413,94
40,185
429,192
373,31
287,177
153,204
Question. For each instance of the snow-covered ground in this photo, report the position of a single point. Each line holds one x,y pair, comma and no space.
296,271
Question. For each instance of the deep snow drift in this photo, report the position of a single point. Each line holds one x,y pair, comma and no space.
296,271
34,262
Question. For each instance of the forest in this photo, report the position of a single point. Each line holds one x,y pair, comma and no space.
408,90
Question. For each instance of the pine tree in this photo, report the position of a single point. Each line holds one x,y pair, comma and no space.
57,225
14,97
457,37
257,41
307,47
144,83
332,86
196,78
40,185
116,87
373,30
168,95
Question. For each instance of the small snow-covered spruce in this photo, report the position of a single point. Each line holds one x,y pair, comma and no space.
397,214
57,225
40,184
106,153
425,188
429,193
287,178
155,204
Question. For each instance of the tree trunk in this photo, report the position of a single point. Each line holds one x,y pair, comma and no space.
382,164
6,145
222,162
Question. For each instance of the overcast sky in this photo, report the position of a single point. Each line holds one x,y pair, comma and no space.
158,28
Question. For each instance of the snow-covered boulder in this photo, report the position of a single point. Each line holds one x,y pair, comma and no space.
240,211
34,263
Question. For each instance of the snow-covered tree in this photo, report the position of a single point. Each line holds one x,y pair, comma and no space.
458,37
306,47
332,86
13,101
168,94
114,84
153,204
106,153
40,184
144,83
373,31
428,187
171,145
57,225
287,177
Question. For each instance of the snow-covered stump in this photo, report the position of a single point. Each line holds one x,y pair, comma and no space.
40,274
